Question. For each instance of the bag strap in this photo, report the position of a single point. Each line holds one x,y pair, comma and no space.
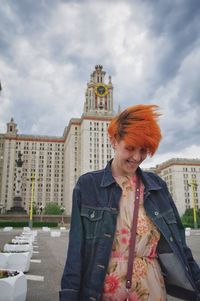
133,235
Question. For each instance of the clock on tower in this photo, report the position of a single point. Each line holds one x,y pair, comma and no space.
101,90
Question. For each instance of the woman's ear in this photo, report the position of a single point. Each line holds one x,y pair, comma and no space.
113,142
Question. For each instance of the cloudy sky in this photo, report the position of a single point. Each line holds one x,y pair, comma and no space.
151,48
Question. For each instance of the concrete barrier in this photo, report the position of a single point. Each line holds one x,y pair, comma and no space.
18,248
13,288
55,233
187,231
15,261
6,229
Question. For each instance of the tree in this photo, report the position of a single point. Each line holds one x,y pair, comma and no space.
34,210
52,208
188,218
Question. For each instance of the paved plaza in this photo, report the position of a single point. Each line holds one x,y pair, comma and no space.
48,260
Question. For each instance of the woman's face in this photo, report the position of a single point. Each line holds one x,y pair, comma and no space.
127,158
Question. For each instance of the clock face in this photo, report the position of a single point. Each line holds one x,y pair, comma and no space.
101,90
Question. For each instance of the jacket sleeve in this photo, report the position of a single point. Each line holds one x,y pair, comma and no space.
194,268
71,278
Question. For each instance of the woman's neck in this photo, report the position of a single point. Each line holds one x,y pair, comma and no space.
117,171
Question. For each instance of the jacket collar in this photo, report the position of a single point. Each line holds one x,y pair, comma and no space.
107,178
147,179
150,180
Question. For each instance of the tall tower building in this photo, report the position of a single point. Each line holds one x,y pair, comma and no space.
87,146
57,162
98,95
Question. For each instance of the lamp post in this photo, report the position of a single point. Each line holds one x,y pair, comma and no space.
62,209
41,208
193,185
32,199
1,208
1,164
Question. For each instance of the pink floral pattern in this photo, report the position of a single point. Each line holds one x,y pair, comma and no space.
111,283
147,280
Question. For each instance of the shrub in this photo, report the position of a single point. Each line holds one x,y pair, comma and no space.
52,208
22,224
188,218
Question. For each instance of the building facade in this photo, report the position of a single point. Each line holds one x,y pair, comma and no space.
86,145
43,159
1,165
55,163
183,180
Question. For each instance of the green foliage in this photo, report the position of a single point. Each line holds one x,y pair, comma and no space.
22,224
52,208
34,210
45,224
188,218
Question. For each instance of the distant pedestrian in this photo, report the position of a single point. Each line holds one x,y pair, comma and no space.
126,238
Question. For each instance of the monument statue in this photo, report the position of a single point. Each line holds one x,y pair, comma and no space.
19,161
17,202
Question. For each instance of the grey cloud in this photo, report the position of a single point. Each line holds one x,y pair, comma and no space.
150,48
173,17
178,24
32,15
174,27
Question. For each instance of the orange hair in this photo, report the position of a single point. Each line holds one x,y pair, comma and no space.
137,126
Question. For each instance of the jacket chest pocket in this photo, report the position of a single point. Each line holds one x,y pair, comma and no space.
169,217
171,221
92,222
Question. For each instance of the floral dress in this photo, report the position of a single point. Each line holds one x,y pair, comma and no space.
147,280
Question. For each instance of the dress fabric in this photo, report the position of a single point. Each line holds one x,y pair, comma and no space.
147,279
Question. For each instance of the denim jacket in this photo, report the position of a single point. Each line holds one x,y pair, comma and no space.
94,214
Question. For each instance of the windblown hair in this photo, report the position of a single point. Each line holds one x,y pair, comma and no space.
137,126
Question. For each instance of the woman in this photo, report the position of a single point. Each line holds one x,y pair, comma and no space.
101,230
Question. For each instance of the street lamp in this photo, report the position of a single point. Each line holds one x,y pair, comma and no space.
1,208
41,208
32,199
193,185
62,209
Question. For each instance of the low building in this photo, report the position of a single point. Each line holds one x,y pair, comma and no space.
183,180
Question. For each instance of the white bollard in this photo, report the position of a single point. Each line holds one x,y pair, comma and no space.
13,288
63,229
46,229
187,231
55,233
8,229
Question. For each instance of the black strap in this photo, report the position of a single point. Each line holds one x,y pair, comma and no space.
133,235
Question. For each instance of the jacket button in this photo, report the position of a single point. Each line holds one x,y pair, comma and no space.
92,215
156,212
107,235
101,266
171,238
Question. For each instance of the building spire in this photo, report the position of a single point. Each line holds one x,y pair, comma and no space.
12,127
119,109
99,94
